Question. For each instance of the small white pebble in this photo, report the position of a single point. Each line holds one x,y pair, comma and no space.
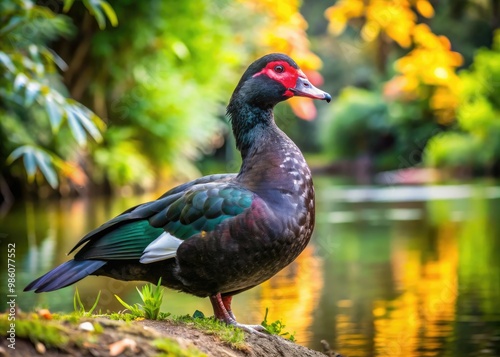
40,348
118,347
87,326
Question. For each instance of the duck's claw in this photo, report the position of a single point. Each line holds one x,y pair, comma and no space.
258,330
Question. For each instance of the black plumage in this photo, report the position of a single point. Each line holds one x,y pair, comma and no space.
218,235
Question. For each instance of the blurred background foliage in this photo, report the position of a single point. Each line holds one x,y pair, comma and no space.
474,145
425,78
99,97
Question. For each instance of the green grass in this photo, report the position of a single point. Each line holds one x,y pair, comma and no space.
230,335
121,316
80,308
277,328
152,297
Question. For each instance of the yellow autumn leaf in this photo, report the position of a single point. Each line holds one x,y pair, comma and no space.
445,42
337,20
352,8
307,61
337,26
401,87
425,8
431,62
370,31
456,59
423,36
401,33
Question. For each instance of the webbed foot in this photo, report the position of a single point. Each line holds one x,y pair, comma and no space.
258,330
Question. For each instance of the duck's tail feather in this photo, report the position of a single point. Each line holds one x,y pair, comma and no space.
64,275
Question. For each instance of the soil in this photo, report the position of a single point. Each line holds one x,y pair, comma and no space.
134,339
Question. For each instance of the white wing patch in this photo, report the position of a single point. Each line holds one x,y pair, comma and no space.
163,247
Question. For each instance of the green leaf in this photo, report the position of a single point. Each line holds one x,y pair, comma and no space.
152,297
198,315
110,13
11,24
20,81
180,49
32,91
30,164
95,9
14,155
125,305
34,158
80,308
75,126
77,302
67,5
34,52
95,303
43,162
54,112
276,328
134,310
101,20
28,154
87,123
53,56
7,62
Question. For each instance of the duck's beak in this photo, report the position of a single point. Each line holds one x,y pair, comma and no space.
304,88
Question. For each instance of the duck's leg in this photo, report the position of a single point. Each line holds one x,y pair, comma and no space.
222,312
226,301
221,309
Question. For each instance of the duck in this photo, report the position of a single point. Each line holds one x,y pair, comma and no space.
221,234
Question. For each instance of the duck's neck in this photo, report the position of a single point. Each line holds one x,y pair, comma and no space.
251,125
268,154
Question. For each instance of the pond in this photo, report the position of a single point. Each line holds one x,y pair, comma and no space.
390,271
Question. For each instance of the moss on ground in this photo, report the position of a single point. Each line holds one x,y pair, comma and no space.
230,335
63,333
30,326
171,348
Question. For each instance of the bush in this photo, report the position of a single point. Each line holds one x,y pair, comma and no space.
358,123
476,143
392,133
452,149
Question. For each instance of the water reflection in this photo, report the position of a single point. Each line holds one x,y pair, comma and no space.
291,296
390,272
410,277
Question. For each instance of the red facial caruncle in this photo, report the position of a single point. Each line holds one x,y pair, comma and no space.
283,72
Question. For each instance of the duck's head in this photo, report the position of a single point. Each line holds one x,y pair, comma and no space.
275,78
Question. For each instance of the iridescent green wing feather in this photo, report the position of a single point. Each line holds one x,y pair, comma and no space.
202,208
182,214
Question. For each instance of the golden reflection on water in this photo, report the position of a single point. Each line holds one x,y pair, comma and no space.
291,295
426,307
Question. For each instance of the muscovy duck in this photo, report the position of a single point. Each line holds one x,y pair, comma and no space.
222,234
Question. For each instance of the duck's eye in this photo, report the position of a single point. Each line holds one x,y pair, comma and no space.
279,69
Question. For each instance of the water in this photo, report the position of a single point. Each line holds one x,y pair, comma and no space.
409,271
